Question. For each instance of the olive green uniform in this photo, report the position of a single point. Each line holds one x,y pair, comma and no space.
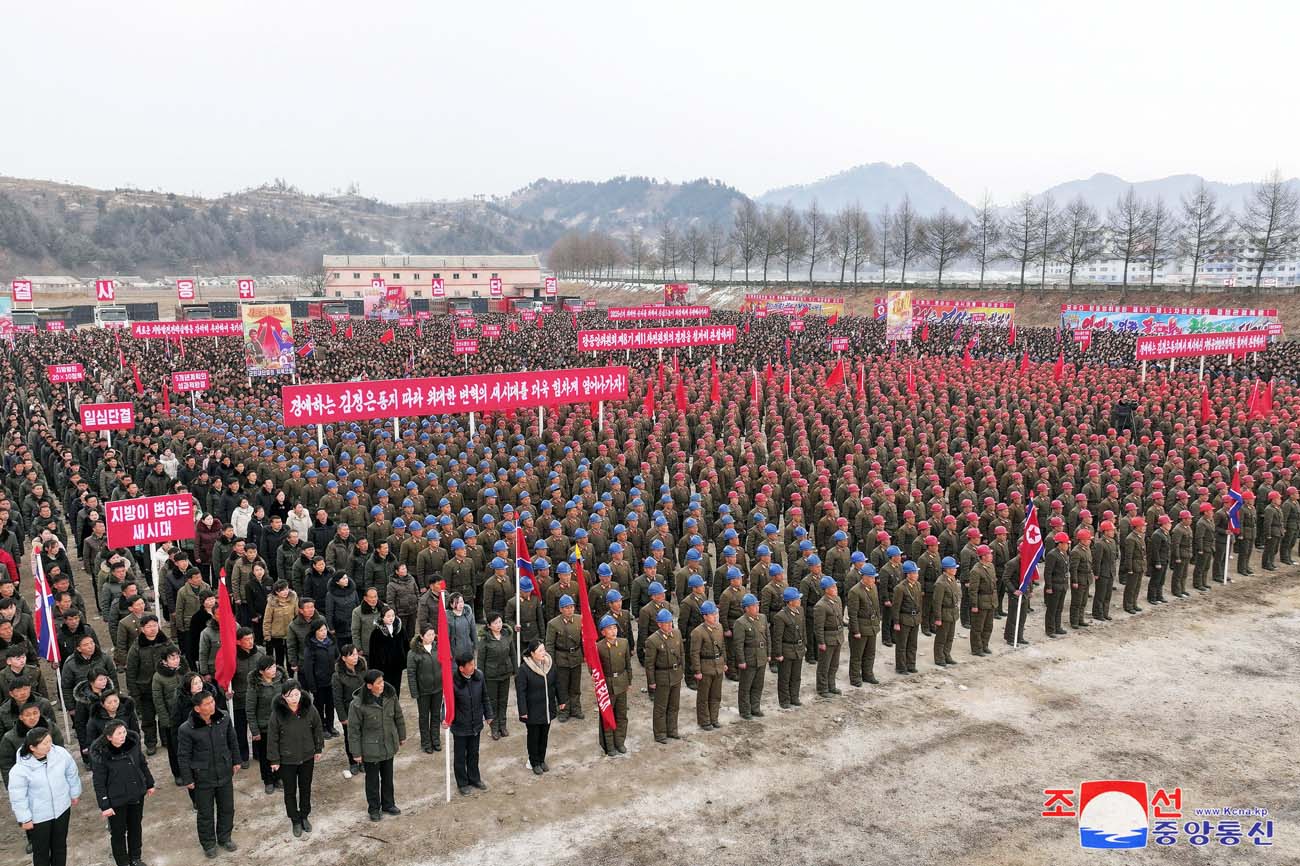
1135,556
1080,584
788,642
907,616
945,604
564,643
983,590
749,642
1180,552
616,665
864,622
708,659
663,670
828,624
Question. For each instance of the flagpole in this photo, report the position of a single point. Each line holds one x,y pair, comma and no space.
1015,626
446,730
1201,375
1227,555
47,625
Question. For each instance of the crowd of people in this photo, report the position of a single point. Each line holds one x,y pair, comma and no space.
810,515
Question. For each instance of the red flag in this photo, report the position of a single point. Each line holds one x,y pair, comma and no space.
1058,371
1024,363
747,326
753,389
862,383
787,348
445,662
574,318
139,386
925,332
419,330
965,359
1011,335
769,377
715,389
677,364
943,380
785,388
648,406
347,333
117,339
121,360
386,337
1266,399
179,342
680,395
1058,336
224,670
911,381
167,399
836,377
539,320
334,327
834,319
1207,412
957,336
599,687
660,383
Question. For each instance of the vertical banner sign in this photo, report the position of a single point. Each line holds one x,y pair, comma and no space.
247,290
22,290
268,339
494,287
898,316
105,290
377,285
184,290
439,288
552,286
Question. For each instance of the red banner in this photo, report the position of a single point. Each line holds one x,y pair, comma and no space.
439,288
247,289
467,322
1191,345
632,314
797,325
552,286
492,331
190,380
105,290
198,328
449,395
22,290
464,347
149,520
839,344
656,338
184,290
56,325
591,655
406,321
394,294
107,416
494,287
59,373
423,315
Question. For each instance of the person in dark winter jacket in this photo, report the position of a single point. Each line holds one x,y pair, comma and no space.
263,688
347,679
316,672
165,694
150,647
122,780
463,628
112,705
403,595
535,696
318,579
339,604
376,730
81,666
191,684
302,626
294,743
256,590
87,695
472,709
424,677
209,759
387,650
496,661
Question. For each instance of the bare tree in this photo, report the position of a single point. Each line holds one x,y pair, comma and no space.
1162,237
1047,237
842,238
1021,235
772,242
942,239
818,232
746,234
637,252
1271,222
1080,236
1203,227
863,239
667,248
694,246
986,234
1127,224
719,251
884,236
794,239
906,223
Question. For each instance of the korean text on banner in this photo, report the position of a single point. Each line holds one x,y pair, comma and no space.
656,338
60,373
198,328
149,520
190,380
1191,345
268,339
107,416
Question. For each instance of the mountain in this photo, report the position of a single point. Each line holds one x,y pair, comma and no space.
874,186
622,204
1102,190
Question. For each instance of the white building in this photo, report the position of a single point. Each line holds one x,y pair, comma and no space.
1232,262
461,276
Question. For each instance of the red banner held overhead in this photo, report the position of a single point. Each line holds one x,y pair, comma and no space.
492,331
449,395
60,373
797,325
464,347
469,323
56,325
406,321
199,328
190,380
149,520
107,416
656,338
635,314
1191,345
839,344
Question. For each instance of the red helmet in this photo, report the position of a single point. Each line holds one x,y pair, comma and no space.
1060,538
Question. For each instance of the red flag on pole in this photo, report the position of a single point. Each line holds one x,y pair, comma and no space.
1024,363
224,670
660,383
911,381
1266,399
768,376
1207,412
139,386
787,348
834,319
445,662
539,318
836,377
785,387
747,326
677,364
1011,335
862,382
648,406
334,328
1058,371
753,390
925,332
386,337
347,332
965,359
715,389
121,360
589,652
167,399
680,395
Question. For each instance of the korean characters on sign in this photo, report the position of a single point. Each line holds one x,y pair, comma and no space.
60,373
247,290
494,287
552,285
184,290
22,290
149,520
464,347
107,416
105,290
439,288
190,380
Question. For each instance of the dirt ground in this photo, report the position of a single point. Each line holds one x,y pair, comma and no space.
945,766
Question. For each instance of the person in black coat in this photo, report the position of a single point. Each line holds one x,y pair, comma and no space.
209,759
472,709
122,780
295,742
387,650
316,671
111,705
535,696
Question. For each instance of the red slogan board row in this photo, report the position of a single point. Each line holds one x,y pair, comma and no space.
656,338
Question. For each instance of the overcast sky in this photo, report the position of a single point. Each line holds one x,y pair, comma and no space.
441,100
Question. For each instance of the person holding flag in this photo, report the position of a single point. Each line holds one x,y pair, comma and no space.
1021,573
47,641
613,666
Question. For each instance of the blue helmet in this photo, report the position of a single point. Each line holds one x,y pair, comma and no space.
910,567
526,584
748,600
893,551
606,621
694,580
708,607
827,582
566,601
498,562
664,615
857,557
868,570
789,594
948,562
775,570
655,588
612,596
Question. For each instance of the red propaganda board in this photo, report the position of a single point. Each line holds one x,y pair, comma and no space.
528,316
589,305
25,329
56,325
394,294
149,520
1191,345
406,321
633,314
423,315
197,328
492,331
552,286
839,344
184,290
107,416
469,323
105,290
656,338
439,288
760,314
464,347
796,325
190,380
247,290
22,290
59,373
494,287
377,285
449,395
1274,329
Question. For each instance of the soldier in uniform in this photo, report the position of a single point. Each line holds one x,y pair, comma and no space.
528,621
645,618
1056,580
1203,542
1291,524
907,618
930,568
771,601
1080,578
983,590
1013,632
1180,553
1273,528
1105,562
708,662
614,608
1135,555
811,590
788,637
730,609
1220,561
891,577
616,664
828,622
864,620
749,638
944,607
663,670
691,616
1245,540
564,643
1158,547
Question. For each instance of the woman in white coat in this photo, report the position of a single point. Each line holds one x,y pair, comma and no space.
43,788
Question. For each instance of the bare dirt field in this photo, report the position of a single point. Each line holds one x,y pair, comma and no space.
945,766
